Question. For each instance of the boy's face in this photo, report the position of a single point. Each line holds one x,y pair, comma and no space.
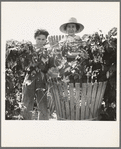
41,40
71,29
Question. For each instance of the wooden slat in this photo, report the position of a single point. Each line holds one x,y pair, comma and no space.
63,109
77,85
50,104
97,98
62,36
59,37
62,101
74,99
93,98
52,90
71,86
52,107
88,98
83,98
58,100
102,94
80,100
67,102
54,39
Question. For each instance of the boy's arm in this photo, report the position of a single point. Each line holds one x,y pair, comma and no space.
51,62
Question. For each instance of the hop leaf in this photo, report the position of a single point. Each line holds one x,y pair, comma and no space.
113,32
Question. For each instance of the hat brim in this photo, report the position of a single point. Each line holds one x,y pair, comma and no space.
62,27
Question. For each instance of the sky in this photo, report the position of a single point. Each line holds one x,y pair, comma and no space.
21,19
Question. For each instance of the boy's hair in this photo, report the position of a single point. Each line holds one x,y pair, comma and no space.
77,26
41,32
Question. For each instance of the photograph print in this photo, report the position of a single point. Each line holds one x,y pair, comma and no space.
61,60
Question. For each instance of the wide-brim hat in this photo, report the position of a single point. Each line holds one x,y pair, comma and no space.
74,21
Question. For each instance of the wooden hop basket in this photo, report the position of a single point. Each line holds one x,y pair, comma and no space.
77,103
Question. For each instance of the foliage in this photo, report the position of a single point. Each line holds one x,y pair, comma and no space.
102,61
21,58
95,61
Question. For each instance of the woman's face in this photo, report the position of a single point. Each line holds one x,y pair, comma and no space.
71,29
41,40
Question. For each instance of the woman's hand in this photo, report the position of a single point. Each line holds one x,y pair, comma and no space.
72,54
53,72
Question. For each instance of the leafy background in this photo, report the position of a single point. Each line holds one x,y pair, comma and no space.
99,66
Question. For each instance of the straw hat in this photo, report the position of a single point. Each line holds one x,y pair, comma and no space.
74,21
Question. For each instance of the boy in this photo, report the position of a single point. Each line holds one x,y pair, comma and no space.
35,80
